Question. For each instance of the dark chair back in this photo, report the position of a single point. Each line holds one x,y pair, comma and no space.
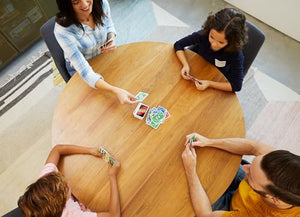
14,213
47,33
256,39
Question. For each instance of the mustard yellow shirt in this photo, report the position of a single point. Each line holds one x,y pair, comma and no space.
246,202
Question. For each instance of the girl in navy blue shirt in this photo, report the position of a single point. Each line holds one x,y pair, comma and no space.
220,42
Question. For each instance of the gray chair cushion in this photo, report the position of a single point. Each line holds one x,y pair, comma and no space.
47,33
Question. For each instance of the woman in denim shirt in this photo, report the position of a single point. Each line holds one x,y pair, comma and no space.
84,29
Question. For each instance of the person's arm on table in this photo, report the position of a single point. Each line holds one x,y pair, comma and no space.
239,146
200,201
123,95
60,150
225,86
114,202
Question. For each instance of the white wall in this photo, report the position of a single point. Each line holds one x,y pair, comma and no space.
283,15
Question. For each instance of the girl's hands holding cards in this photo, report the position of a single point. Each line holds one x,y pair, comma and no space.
185,72
202,84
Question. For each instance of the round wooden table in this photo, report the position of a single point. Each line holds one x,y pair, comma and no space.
152,181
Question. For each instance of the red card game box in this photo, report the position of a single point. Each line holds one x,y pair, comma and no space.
140,111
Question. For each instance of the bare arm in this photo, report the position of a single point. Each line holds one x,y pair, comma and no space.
114,202
239,146
200,201
60,150
123,95
224,86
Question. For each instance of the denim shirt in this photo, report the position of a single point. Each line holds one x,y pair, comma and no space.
80,46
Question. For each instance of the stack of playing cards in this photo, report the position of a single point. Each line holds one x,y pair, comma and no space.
140,111
106,156
157,116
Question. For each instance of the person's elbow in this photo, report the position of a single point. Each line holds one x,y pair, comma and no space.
236,88
177,47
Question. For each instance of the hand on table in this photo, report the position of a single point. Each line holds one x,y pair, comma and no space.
125,97
202,84
189,158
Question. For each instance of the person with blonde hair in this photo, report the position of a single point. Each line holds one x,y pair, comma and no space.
50,195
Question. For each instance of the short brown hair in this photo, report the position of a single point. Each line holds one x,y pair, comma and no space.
46,197
233,23
282,168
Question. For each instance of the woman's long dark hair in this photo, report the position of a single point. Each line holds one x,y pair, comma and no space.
66,15
233,23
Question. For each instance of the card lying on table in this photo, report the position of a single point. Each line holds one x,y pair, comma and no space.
157,116
106,156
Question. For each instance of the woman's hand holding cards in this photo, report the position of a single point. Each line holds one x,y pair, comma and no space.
125,97
108,46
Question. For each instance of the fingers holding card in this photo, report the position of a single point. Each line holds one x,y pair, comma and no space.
141,96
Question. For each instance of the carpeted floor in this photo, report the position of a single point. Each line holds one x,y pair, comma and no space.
27,102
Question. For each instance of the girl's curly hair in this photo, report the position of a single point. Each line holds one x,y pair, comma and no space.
233,23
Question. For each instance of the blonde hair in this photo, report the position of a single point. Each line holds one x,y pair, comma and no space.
46,197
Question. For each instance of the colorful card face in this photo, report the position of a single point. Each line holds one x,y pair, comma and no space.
140,111
106,156
157,116
154,124
192,139
141,96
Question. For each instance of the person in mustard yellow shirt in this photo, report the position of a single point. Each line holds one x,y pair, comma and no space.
271,186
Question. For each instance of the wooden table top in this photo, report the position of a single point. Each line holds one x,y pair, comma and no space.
152,181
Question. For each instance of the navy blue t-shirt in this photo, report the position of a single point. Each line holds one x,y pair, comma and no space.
231,64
